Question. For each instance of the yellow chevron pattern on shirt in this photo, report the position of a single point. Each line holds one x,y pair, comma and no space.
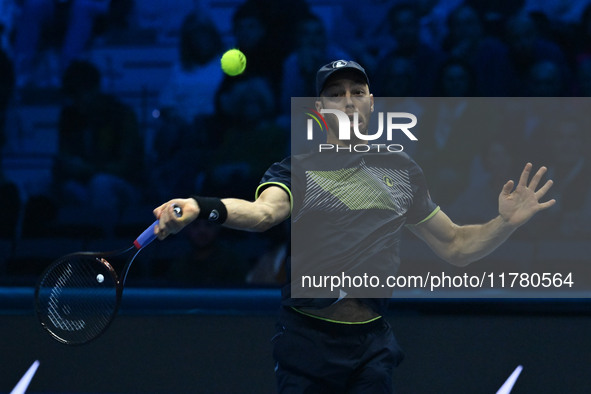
358,188
352,187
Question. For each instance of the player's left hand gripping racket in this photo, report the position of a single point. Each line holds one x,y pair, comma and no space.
79,294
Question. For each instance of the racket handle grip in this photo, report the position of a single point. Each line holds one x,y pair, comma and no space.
148,235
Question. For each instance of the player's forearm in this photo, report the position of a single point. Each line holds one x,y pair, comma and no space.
473,242
250,216
272,206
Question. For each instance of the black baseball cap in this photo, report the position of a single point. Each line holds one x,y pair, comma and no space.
338,65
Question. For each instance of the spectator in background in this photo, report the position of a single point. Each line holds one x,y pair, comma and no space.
244,123
397,77
561,11
487,56
367,35
494,14
8,14
545,79
312,50
527,48
433,14
118,27
264,30
100,159
456,78
404,28
196,75
50,34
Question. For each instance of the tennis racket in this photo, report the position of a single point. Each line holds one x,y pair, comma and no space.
78,295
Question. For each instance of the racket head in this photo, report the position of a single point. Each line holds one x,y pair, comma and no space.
77,297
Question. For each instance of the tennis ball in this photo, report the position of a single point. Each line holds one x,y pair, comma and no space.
233,62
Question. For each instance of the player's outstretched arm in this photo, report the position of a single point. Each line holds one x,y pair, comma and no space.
271,208
461,245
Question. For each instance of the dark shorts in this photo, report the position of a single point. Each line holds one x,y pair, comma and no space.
316,356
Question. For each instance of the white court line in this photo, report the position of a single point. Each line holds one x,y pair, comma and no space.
510,382
21,386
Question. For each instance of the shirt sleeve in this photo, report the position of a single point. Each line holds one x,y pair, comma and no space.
279,174
423,208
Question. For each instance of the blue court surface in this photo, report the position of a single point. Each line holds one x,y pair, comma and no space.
218,341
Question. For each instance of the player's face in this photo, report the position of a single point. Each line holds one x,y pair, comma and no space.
348,92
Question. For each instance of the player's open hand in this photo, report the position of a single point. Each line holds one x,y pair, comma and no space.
517,204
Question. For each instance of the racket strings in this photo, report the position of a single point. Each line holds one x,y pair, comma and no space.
77,298
53,304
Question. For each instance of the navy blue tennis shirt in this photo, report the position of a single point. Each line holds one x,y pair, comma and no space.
348,213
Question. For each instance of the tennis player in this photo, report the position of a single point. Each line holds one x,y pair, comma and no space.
342,344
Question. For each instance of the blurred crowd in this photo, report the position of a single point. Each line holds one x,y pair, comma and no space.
216,135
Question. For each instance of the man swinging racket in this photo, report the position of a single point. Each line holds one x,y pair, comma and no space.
341,343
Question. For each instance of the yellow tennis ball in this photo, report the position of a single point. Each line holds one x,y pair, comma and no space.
233,62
